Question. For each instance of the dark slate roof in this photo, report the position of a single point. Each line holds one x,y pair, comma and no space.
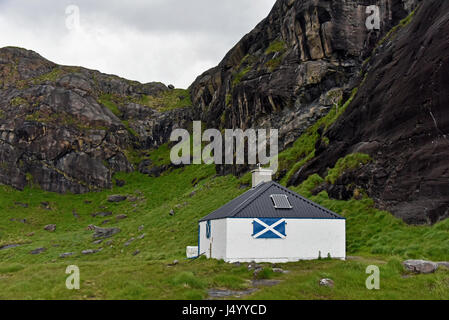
257,203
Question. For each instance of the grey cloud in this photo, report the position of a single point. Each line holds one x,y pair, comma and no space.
150,29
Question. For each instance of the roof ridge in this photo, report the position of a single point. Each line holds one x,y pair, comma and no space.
253,197
306,200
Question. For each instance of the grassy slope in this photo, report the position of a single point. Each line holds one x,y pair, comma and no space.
115,273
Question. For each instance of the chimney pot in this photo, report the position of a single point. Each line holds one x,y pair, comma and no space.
261,175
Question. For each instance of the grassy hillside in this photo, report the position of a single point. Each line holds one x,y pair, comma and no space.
116,273
137,263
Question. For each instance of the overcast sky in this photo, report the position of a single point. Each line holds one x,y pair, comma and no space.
172,41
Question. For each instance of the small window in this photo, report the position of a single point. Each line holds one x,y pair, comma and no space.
208,229
280,201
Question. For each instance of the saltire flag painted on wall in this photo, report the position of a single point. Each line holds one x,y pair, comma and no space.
269,228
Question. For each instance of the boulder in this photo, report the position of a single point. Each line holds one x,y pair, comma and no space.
279,270
120,183
104,232
420,266
20,204
327,283
117,198
50,228
155,172
90,251
45,205
38,251
141,236
127,243
121,217
102,214
174,263
254,266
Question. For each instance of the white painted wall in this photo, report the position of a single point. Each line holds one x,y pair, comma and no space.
305,239
232,241
217,239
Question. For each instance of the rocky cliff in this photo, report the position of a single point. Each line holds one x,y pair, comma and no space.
308,55
69,129
400,117
291,69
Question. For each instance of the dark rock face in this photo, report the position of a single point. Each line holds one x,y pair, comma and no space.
9,246
291,69
400,117
117,198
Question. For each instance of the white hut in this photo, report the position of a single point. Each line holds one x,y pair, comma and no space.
271,223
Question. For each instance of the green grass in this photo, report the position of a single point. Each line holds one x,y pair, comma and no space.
115,273
276,46
303,149
18,101
108,100
279,47
168,100
351,161
274,63
349,277
51,76
239,76
228,99
161,156
375,232
403,23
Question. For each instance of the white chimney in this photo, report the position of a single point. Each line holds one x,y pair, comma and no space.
261,175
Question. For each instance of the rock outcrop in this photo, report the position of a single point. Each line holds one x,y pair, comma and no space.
69,129
400,117
293,67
